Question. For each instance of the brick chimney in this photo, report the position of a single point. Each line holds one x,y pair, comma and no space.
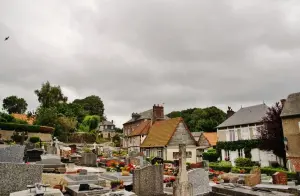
158,113
282,102
230,112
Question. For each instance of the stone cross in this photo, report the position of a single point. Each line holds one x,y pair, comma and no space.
182,187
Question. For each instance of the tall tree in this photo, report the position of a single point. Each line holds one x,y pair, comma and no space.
50,96
46,116
92,104
198,119
271,133
13,104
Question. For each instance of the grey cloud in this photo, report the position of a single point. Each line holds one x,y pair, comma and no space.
134,54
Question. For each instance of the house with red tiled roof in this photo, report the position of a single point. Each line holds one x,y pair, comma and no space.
136,129
24,117
164,137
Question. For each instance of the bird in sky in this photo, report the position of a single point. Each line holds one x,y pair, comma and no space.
6,38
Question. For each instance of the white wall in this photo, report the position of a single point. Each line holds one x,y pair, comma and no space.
245,132
171,149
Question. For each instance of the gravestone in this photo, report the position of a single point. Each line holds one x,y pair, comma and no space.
34,155
199,180
88,159
83,172
280,178
182,187
13,154
137,161
16,176
148,181
254,177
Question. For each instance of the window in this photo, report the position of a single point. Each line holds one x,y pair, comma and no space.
147,153
239,134
232,135
175,155
189,154
159,153
240,151
251,132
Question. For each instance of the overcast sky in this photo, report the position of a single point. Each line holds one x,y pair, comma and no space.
134,53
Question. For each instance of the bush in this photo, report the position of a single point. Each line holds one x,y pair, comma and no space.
225,163
243,162
24,127
211,155
216,166
235,170
34,139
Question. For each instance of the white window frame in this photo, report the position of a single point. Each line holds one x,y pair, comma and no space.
159,153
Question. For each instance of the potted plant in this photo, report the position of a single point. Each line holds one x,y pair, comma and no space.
115,184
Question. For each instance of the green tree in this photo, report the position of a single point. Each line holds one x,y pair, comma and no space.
92,104
67,125
13,104
198,119
50,96
72,110
117,140
6,117
90,123
46,116
118,130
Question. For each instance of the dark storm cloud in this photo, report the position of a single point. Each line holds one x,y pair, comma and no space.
137,53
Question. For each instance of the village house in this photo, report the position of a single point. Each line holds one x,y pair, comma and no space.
290,116
164,138
244,125
107,129
136,129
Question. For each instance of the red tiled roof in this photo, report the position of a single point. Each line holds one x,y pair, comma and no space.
24,117
211,137
141,129
161,132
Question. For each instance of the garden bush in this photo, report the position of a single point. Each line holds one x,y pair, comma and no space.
34,139
211,155
243,162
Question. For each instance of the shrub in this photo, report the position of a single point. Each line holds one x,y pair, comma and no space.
34,139
211,155
243,162
87,150
225,163
23,127
235,170
217,167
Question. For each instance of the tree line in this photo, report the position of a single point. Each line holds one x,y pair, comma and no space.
54,110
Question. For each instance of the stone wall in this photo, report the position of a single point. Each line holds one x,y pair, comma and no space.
45,137
16,176
13,154
148,181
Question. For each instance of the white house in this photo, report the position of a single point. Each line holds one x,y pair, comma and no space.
164,138
243,125
107,129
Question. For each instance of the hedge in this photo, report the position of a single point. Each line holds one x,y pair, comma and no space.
80,137
240,144
210,155
24,127
264,170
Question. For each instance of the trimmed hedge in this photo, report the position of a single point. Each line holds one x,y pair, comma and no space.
24,127
211,155
264,170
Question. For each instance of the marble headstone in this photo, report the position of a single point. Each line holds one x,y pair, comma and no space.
200,181
13,154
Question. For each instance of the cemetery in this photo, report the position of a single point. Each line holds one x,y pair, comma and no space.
56,169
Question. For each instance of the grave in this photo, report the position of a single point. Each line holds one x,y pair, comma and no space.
279,178
47,192
74,179
137,161
88,159
230,189
148,181
34,155
253,178
16,176
199,180
73,190
181,186
117,176
14,154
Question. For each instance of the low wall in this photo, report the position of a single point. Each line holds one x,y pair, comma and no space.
45,137
16,177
